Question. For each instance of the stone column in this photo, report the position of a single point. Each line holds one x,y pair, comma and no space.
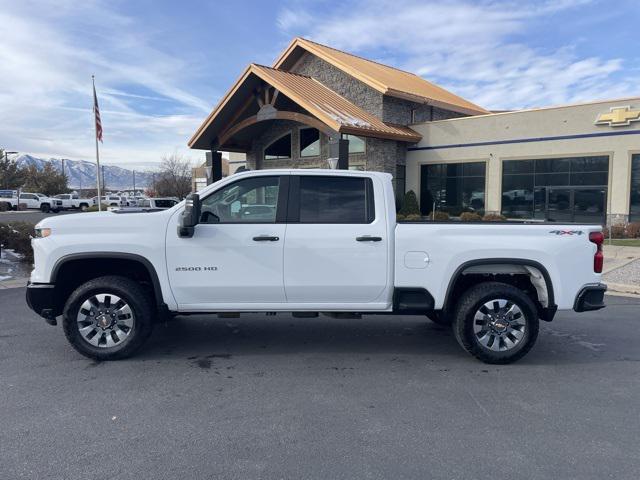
493,185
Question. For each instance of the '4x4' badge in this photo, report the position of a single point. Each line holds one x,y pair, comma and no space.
567,232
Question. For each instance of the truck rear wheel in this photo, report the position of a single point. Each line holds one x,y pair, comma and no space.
496,322
108,318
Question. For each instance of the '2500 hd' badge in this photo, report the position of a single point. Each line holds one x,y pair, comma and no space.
196,269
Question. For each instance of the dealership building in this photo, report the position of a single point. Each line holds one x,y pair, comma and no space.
318,107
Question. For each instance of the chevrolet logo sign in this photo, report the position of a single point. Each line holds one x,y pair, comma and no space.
618,117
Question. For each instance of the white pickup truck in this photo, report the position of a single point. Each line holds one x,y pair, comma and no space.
37,201
330,245
73,201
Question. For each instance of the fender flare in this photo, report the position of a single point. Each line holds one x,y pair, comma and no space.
155,280
492,261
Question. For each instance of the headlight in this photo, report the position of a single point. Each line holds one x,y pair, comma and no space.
43,232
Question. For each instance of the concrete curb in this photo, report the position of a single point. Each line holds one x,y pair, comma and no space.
622,288
14,283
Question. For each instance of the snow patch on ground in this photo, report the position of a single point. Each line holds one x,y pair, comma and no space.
11,266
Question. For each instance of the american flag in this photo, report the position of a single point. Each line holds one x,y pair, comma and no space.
96,111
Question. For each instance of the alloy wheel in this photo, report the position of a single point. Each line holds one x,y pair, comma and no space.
499,325
105,320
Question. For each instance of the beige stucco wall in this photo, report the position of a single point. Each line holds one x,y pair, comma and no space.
531,124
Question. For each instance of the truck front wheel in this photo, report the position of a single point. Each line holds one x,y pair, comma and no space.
496,322
44,208
108,318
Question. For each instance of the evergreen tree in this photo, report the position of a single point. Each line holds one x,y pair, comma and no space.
11,176
410,204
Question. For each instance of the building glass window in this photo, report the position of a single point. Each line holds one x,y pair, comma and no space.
634,204
452,187
356,144
563,189
309,142
281,148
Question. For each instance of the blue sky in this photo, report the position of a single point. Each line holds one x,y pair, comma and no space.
161,66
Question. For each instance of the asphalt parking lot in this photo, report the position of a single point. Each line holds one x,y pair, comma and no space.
277,397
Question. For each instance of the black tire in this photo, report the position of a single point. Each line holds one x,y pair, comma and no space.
84,207
44,208
439,317
136,297
473,300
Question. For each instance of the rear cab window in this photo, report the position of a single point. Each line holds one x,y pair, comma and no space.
334,199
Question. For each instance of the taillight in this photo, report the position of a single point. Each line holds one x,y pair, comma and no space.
598,258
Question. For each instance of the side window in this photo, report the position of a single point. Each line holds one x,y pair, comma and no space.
336,200
252,200
27,196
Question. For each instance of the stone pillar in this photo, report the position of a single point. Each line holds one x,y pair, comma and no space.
493,185
619,191
214,166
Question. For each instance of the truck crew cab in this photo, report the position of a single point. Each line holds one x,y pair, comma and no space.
322,241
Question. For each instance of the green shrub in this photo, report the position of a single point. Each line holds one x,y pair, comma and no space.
470,217
413,218
410,204
94,208
441,217
400,217
17,237
494,217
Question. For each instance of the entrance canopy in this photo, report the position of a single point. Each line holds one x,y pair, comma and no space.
264,94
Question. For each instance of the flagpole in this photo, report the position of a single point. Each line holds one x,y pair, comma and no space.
95,127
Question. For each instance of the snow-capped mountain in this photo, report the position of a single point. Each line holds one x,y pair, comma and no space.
82,174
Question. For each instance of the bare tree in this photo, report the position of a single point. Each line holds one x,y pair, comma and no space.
174,178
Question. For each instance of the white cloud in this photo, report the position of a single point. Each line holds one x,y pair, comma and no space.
47,56
473,48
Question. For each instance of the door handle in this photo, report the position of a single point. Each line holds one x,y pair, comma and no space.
368,238
265,238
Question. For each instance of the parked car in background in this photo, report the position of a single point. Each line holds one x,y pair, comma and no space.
38,201
73,201
158,203
8,199
132,201
109,201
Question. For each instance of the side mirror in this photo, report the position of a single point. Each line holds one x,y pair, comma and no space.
190,216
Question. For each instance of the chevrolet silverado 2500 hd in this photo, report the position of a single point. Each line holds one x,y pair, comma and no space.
308,242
